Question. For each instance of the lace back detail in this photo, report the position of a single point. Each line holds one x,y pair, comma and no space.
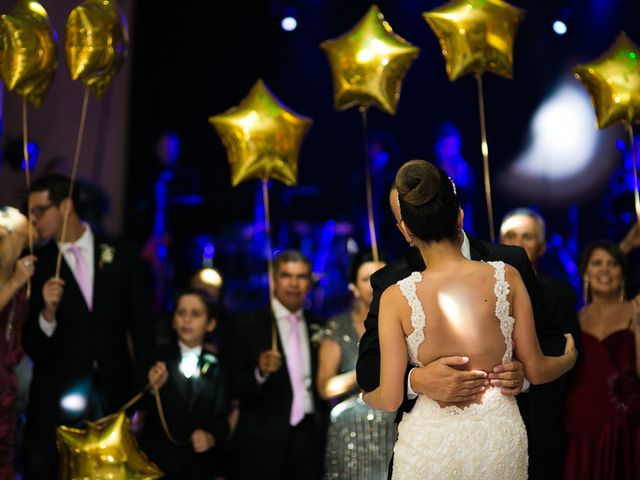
415,339
501,290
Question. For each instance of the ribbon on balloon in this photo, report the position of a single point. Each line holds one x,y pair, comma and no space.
476,36
262,138
368,64
28,62
95,46
613,83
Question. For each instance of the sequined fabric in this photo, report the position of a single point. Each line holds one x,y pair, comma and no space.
360,439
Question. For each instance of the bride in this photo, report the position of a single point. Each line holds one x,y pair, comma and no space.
455,307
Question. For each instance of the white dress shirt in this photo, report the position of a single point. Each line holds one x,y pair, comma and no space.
284,324
189,359
85,245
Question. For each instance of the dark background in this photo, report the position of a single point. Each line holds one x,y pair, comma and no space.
193,59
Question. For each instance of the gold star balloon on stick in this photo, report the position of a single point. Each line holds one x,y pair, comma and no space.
262,138
106,449
96,43
613,82
368,64
95,46
28,58
28,62
476,36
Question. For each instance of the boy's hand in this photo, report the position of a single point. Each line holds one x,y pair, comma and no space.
158,375
202,441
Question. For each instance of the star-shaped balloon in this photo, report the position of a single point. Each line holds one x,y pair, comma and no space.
368,64
96,43
104,450
613,82
262,137
476,36
28,58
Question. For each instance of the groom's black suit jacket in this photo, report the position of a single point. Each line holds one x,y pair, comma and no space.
548,328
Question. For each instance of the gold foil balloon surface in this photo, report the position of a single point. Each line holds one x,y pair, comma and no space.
613,82
368,64
476,36
262,137
96,43
28,57
104,450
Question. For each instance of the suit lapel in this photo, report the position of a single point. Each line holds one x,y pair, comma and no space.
479,250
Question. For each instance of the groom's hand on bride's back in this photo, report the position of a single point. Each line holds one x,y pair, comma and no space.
509,377
442,380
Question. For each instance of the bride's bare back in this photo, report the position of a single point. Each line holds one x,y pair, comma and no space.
460,317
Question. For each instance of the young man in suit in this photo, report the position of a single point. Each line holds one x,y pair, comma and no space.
81,326
524,228
445,379
193,396
279,433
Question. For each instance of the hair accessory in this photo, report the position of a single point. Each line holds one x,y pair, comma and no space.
453,184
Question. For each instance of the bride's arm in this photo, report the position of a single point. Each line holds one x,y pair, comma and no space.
538,368
393,353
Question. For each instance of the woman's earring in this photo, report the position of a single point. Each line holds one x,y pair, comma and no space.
585,291
622,292
411,241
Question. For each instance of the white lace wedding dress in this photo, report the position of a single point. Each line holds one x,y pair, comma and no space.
486,440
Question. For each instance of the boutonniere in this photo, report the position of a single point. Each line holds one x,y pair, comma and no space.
206,360
107,253
316,334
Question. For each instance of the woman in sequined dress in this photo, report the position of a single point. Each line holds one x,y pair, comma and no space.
602,416
14,274
360,439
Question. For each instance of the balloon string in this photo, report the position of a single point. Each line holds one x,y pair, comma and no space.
636,196
485,157
367,161
134,400
267,236
27,177
74,169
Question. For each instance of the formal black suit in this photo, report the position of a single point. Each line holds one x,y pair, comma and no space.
264,442
188,404
549,330
88,353
546,436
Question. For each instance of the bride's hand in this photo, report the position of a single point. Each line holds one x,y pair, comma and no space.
570,348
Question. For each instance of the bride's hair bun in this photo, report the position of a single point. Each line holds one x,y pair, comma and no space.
428,202
417,182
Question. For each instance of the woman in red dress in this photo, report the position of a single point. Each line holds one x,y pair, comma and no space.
14,274
602,417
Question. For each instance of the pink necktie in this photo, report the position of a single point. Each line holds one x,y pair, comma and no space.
82,276
296,376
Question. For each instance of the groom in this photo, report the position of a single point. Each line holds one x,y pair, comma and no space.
443,380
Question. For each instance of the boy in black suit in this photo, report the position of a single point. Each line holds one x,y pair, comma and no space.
192,392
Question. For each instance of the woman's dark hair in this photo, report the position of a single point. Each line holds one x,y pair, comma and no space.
359,259
428,202
212,307
609,247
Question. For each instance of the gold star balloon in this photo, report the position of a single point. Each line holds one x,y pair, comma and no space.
613,82
476,36
104,450
96,43
368,64
262,137
28,58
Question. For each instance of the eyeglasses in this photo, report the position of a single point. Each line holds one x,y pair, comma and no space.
39,210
